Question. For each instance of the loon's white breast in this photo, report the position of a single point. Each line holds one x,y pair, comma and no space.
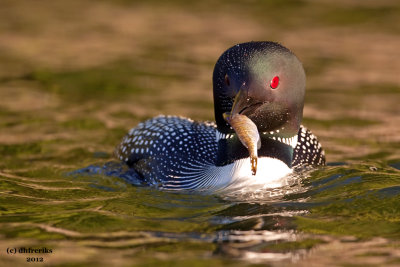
271,173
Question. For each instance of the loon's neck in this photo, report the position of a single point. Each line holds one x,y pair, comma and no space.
231,149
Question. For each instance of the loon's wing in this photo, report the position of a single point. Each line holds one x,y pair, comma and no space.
169,151
308,150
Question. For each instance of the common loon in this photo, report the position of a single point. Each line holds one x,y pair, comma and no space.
263,84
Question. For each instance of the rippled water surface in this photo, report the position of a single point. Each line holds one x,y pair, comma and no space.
74,78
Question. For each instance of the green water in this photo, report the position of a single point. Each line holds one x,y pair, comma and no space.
74,78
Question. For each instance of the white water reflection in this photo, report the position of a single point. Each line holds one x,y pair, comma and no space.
257,246
291,184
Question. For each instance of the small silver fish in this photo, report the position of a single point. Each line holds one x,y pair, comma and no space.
248,134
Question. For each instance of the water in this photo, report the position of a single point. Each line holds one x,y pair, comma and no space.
74,79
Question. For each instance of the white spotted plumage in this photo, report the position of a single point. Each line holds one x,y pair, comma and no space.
308,150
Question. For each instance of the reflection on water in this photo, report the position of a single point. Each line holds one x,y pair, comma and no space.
92,213
262,194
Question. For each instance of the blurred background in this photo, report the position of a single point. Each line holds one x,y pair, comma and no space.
75,76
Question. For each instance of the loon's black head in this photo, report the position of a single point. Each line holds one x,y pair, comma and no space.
267,83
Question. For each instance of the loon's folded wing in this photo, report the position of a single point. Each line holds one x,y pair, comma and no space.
170,150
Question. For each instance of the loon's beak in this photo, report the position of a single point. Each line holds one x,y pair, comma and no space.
245,128
243,103
238,118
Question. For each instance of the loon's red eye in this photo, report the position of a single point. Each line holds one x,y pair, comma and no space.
274,82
